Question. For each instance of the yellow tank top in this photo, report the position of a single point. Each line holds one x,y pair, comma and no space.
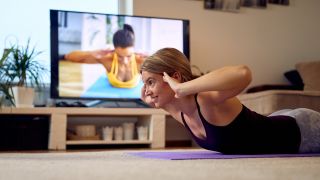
112,75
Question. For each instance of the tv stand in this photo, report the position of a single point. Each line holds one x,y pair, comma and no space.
61,119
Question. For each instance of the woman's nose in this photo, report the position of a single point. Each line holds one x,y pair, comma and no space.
147,91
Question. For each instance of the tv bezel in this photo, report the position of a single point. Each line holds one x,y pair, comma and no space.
54,43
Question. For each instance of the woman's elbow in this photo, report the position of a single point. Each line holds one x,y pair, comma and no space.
246,74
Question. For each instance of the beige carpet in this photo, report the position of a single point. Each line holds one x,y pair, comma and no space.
114,165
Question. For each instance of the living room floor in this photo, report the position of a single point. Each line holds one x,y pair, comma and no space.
104,164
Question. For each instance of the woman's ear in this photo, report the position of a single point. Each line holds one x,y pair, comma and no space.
176,75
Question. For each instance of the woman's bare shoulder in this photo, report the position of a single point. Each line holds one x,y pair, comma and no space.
209,97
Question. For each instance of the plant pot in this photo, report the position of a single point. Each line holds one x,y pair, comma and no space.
23,96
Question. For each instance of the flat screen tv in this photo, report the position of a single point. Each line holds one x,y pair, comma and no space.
90,32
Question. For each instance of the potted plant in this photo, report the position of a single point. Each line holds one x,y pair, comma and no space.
5,83
22,73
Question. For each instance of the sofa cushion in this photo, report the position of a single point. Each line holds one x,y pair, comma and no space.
310,74
294,78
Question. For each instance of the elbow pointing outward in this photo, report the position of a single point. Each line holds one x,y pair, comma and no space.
246,75
229,78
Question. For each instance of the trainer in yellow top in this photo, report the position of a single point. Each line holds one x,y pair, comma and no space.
112,75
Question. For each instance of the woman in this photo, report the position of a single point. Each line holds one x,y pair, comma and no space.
122,64
208,107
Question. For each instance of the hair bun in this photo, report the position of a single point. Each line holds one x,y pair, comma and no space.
127,27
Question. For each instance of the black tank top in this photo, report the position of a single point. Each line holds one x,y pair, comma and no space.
250,133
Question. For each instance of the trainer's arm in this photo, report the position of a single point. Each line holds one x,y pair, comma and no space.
90,57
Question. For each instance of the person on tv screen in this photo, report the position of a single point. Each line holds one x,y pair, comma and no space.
122,63
209,109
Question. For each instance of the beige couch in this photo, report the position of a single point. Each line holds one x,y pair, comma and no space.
266,102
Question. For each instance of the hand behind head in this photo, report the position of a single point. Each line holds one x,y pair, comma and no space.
173,83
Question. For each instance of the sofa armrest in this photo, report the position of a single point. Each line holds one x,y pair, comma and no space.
267,102
273,87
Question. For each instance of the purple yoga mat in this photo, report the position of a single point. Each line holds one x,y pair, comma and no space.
187,155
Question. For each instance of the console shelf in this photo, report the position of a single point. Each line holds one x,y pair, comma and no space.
101,142
60,118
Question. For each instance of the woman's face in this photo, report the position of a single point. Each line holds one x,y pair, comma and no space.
158,91
124,54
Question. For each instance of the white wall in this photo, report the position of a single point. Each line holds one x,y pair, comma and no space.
270,41
22,19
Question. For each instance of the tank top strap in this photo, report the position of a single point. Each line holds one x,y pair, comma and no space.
114,65
134,67
187,126
201,117
199,111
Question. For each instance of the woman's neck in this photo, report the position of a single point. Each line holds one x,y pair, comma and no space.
185,104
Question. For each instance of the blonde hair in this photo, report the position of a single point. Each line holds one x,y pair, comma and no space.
169,60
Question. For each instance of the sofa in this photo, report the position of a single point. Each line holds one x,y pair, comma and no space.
303,92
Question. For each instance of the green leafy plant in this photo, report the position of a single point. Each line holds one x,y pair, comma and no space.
19,67
24,68
5,82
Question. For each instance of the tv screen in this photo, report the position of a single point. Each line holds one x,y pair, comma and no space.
97,56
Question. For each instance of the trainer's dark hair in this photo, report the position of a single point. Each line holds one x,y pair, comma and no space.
124,37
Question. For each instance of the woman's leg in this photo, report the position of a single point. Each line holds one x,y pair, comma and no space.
309,123
281,112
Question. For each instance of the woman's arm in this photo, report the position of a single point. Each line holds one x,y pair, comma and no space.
226,82
90,57
140,57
